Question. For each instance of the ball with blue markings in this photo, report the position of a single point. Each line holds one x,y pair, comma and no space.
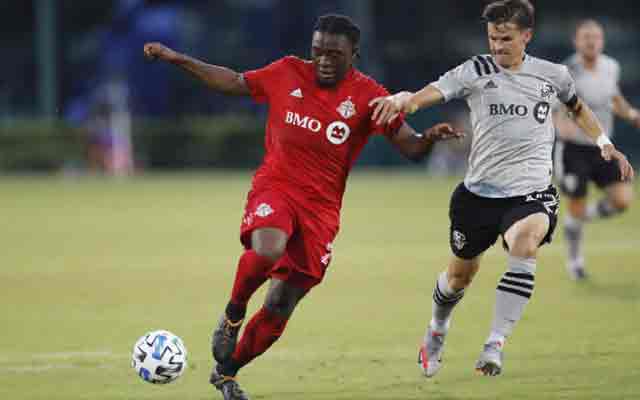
159,357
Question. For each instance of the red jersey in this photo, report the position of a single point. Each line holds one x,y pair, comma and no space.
313,134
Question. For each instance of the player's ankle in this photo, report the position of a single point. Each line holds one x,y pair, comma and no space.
496,337
439,326
229,368
235,312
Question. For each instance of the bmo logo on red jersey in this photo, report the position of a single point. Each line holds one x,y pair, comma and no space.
305,122
337,132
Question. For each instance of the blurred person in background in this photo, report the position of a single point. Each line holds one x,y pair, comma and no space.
449,158
507,190
318,122
108,129
578,160
103,119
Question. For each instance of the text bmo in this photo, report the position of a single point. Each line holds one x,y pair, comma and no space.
540,110
306,122
511,109
337,132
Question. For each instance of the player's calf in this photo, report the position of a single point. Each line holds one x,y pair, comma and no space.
445,298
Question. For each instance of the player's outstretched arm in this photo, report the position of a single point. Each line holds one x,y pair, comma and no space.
220,79
565,126
624,110
388,108
586,119
414,146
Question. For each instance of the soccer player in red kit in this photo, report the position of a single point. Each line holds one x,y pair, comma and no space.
319,120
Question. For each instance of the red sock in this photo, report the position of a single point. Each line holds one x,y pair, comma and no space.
252,272
260,333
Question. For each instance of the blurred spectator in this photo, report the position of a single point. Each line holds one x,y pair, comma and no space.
450,157
105,121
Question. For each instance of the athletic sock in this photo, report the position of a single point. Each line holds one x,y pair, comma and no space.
573,228
253,271
445,299
262,331
512,295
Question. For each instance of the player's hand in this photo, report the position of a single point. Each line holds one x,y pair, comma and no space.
609,153
443,131
155,50
387,108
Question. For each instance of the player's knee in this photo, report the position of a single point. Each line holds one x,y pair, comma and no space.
525,243
460,279
621,203
282,298
280,303
272,253
577,209
269,243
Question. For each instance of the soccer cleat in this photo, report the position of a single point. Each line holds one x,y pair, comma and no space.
430,353
490,361
228,386
576,270
224,340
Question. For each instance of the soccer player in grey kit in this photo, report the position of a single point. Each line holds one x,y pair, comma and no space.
507,190
577,159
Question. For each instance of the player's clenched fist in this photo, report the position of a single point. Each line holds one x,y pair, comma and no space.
443,131
610,153
155,50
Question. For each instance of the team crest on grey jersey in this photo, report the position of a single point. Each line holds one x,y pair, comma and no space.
546,91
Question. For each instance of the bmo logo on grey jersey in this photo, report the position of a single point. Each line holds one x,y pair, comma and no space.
511,109
540,110
337,132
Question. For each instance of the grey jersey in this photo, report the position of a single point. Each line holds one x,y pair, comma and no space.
513,133
597,88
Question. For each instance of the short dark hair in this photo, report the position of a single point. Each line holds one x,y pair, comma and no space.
588,23
519,12
339,25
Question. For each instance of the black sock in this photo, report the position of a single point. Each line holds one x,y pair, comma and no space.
235,312
229,368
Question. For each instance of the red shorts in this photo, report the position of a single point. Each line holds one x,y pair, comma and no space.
308,251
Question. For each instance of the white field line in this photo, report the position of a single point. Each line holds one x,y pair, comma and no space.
43,362
72,355
27,369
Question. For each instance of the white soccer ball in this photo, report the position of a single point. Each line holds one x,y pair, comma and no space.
159,357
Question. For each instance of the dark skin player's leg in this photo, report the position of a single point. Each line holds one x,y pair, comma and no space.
269,242
281,297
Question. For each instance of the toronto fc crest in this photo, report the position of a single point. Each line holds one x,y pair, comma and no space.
347,109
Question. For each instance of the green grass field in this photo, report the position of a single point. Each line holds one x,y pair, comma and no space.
89,265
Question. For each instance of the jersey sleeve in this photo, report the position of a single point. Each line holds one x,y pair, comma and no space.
390,129
616,75
261,82
566,86
457,83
